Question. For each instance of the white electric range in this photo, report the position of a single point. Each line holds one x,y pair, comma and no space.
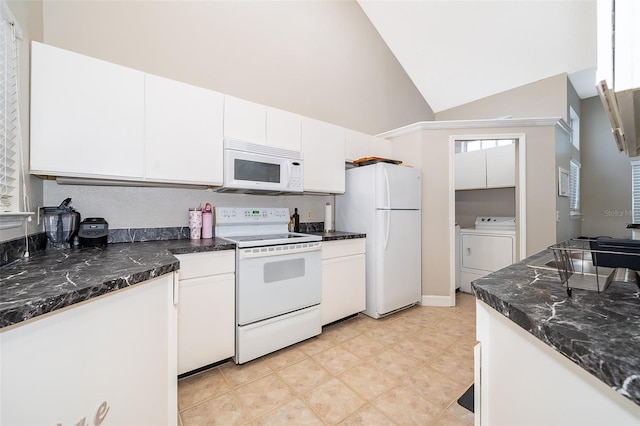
278,280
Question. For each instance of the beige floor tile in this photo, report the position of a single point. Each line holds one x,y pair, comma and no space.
406,368
405,407
336,359
367,381
394,363
367,416
294,412
264,394
462,413
284,357
316,345
200,387
387,334
238,375
333,401
304,375
455,368
417,349
447,419
343,331
434,386
364,346
225,409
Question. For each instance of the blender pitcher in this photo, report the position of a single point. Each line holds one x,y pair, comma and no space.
61,225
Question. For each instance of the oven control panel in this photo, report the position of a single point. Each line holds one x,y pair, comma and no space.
241,215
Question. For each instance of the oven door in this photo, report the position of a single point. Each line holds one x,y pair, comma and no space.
275,280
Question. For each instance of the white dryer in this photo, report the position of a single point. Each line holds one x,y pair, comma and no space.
489,246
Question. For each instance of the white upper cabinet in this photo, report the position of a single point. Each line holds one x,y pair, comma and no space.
284,129
486,168
361,145
501,166
183,132
379,147
323,145
244,120
357,145
87,116
622,71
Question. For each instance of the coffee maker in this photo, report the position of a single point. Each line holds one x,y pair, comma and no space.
61,225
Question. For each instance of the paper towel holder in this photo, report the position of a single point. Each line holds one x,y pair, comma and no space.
328,218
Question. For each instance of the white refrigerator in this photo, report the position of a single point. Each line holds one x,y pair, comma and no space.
383,201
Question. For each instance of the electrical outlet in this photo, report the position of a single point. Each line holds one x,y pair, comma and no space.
309,215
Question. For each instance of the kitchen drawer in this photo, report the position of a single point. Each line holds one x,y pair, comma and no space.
331,249
196,265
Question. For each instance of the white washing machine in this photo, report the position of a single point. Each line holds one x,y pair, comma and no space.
489,246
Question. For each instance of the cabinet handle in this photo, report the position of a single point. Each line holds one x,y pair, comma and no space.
468,251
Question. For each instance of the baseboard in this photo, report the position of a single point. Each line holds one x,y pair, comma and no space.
437,301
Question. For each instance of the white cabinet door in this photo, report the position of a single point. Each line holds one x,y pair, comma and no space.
470,170
284,129
183,132
501,166
111,358
87,116
206,309
206,317
244,120
486,252
357,145
343,279
323,146
379,147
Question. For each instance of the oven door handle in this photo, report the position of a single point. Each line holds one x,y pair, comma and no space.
253,253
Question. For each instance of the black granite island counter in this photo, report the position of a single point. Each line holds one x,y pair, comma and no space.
54,279
591,338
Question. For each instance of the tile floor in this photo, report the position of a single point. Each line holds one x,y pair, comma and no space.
408,368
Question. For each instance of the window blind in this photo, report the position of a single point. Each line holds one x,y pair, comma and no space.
9,124
635,192
574,187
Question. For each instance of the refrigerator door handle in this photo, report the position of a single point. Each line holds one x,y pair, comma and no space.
386,181
388,228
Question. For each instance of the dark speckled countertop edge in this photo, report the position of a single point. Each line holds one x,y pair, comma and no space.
595,331
55,279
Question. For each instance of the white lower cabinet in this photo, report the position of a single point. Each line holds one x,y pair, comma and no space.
206,309
343,279
110,360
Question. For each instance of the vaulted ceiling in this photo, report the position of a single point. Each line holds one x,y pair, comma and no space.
460,51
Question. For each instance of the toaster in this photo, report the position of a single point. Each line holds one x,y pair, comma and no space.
93,232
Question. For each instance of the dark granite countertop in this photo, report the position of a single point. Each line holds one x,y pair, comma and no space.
54,279
600,332
338,235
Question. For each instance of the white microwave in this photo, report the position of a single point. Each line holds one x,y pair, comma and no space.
253,168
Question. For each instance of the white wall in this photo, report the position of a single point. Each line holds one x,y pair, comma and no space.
322,59
544,98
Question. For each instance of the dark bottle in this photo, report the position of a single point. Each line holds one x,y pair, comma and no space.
296,221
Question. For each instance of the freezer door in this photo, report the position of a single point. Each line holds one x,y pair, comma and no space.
397,259
397,187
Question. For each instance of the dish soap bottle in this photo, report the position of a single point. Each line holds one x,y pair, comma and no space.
296,220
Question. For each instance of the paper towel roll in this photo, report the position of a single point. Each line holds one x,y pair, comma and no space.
328,218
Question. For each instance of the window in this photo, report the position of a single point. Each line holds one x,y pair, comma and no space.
574,124
635,191
477,145
574,187
10,140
